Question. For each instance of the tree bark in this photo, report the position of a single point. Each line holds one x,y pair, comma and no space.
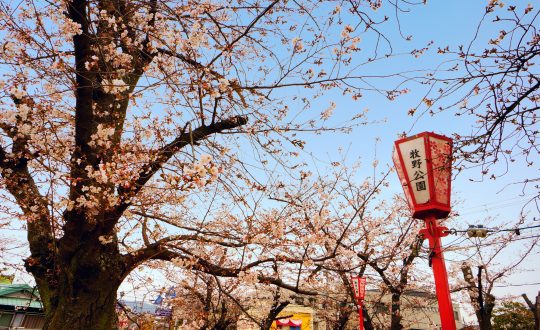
395,318
535,309
343,317
93,309
483,303
81,293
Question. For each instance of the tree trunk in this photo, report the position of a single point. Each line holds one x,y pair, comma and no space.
486,325
483,306
485,314
81,293
341,322
343,317
274,312
395,321
534,308
90,310
489,304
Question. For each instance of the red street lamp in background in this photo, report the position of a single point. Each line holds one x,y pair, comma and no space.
424,166
359,289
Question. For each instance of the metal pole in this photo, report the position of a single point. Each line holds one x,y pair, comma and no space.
360,316
434,234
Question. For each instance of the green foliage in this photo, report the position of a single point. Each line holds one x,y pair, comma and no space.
513,315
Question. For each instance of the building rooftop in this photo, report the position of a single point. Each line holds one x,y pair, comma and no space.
19,296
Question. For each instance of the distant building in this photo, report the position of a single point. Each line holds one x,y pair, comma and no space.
20,307
419,311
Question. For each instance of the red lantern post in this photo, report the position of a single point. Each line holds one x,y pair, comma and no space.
423,163
359,289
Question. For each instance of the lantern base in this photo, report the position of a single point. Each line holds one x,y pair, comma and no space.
437,213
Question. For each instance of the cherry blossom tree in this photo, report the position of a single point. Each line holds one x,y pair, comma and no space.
337,303
385,247
205,303
139,132
380,241
494,81
377,238
390,249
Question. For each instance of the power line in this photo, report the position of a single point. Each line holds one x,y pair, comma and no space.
492,243
492,230
522,284
501,203
517,229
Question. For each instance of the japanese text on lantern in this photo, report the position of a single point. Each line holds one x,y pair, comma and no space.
356,288
413,152
361,288
418,175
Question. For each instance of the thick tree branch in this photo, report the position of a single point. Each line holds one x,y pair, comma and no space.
22,186
165,153
84,92
160,252
529,302
158,249
19,182
171,222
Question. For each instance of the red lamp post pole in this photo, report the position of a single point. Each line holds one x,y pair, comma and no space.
434,233
360,316
424,166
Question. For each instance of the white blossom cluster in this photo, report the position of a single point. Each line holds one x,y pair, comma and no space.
114,86
198,174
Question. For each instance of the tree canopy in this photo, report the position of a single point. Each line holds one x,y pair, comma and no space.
513,315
